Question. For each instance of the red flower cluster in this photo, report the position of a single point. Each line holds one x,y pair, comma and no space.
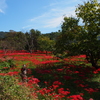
75,97
91,90
96,71
10,73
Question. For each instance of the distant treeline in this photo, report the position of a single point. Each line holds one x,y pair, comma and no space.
51,35
2,34
32,40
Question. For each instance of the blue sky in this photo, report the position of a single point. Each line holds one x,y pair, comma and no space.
43,15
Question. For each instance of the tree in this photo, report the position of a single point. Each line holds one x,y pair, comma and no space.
89,12
45,43
28,46
20,41
2,34
31,40
4,45
34,36
14,41
84,39
10,41
52,35
67,40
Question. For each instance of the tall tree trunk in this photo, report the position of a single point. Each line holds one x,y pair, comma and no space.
94,64
90,58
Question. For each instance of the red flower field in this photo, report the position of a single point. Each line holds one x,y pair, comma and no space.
51,78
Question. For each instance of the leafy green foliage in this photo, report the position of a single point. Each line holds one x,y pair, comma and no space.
68,39
7,63
76,39
45,44
89,12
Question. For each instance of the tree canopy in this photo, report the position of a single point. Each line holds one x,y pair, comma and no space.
78,39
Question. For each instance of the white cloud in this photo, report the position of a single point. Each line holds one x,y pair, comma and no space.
55,22
3,6
38,17
58,16
54,16
28,26
1,11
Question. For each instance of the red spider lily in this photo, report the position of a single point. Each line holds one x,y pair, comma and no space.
79,56
91,90
75,58
33,80
57,83
61,91
20,83
46,82
75,97
50,61
76,71
81,85
96,71
12,73
44,91
55,86
36,62
2,74
60,70
58,96
5,67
